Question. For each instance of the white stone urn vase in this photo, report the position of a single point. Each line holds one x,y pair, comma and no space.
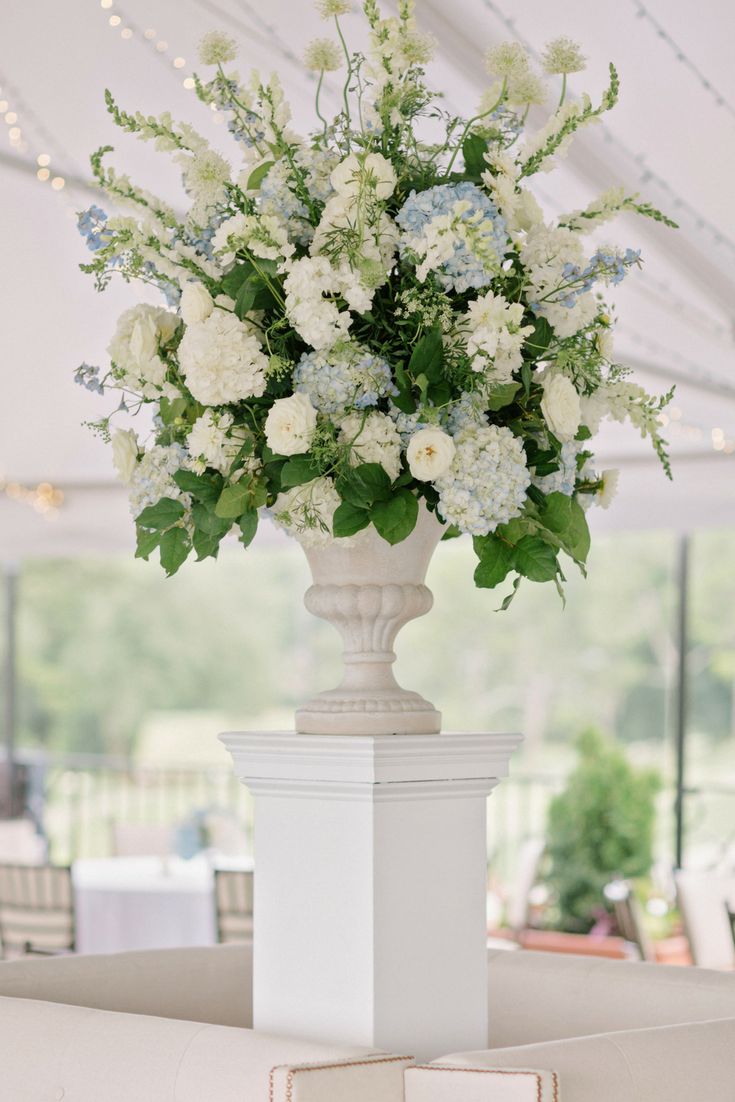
368,589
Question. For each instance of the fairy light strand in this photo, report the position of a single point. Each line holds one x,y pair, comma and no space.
44,498
645,174
643,13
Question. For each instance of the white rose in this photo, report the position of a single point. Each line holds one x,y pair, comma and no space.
609,488
290,424
144,339
430,453
196,303
561,408
124,453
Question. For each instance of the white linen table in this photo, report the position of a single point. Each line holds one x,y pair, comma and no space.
146,902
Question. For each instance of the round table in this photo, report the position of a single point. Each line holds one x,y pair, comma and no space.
146,902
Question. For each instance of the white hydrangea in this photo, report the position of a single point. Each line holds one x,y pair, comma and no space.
494,334
566,320
152,477
317,320
487,482
545,254
222,360
306,512
373,438
213,442
136,345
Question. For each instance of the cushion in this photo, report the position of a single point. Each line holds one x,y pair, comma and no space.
211,985
436,1083
54,1052
676,1063
536,997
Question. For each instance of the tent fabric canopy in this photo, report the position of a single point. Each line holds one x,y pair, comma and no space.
671,138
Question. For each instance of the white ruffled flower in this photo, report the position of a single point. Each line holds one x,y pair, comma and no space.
560,406
430,453
135,347
222,360
487,482
306,512
213,442
605,344
124,453
318,321
196,303
373,439
290,425
495,336
356,174
609,488
323,56
217,48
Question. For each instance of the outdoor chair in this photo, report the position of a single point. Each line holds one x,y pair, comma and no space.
629,918
36,910
233,894
703,899
21,843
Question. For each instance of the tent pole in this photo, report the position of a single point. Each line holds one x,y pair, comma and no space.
10,573
681,692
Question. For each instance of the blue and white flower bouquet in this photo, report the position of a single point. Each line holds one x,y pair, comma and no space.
368,318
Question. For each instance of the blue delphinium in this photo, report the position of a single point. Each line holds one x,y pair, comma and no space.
479,234
92,225
87,375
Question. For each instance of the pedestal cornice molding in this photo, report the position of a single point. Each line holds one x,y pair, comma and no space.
374,793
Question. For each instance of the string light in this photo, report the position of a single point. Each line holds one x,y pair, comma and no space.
644,173
44,498
643,13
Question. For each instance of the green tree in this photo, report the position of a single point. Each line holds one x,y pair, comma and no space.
600,827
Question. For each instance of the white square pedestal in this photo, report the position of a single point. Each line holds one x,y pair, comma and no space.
370,882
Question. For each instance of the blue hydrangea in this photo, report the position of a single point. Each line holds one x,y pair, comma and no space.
561,481
355,379
480,234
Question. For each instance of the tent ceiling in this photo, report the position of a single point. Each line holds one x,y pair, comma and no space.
668,138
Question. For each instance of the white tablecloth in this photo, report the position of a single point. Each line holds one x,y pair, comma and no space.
146,902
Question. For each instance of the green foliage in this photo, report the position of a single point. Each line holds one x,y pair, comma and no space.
599,828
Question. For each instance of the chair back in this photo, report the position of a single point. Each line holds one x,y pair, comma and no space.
233,894
629,918
36,909
703,898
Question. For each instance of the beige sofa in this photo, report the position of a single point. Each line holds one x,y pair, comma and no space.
174,1025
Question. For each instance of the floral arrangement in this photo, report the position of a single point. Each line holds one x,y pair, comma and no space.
371,318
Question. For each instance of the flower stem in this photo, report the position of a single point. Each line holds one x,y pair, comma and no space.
319,115
563,89
346,88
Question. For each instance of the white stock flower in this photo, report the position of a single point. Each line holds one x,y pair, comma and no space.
124,453
290,425
196,303
373,439
216,48
495,336
562,55
560,406
136,344
609,488
222,360
430,453
306,512
323,56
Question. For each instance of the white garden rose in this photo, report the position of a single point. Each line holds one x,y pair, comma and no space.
430,453
349,174
609,488
135,347
306,512
290,425
196,303
561,407
222,360
124,453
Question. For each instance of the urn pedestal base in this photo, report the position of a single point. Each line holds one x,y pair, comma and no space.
370,882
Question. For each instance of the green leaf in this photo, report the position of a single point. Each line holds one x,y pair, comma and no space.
161,515
205,488
233,500
256,177
538,341
298,470
348,519
427,357
508,600
248,527
170,410
502,395
474,149
235,278
583,433
254,294
495,563
209,531
364,484
395,518
146,542
526,376
536,560
566,518
175,546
